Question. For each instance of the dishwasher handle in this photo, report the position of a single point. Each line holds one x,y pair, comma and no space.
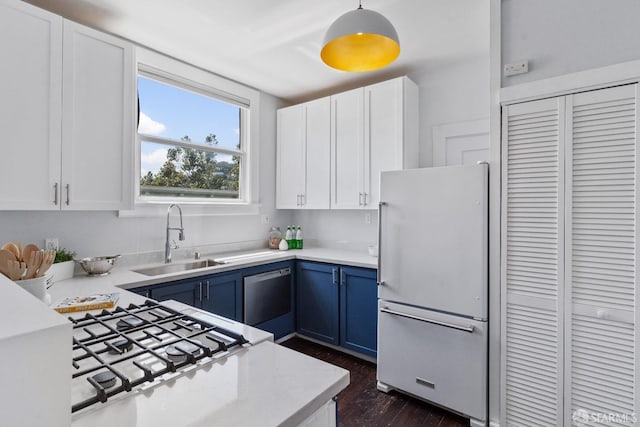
269,275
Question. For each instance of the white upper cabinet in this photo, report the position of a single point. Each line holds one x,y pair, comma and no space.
374,129
390,132
303,156
30,106
317,154
290,149
348,150
98,120
67,114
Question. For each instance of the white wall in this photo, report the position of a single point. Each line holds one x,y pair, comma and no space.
104,233
560,37
455,92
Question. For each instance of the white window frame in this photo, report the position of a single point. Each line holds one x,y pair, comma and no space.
168,70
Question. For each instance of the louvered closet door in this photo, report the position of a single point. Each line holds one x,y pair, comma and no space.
601,241
532,270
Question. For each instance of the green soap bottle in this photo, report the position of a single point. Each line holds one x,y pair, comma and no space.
299,238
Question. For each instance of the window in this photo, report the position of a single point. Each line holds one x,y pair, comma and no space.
193,142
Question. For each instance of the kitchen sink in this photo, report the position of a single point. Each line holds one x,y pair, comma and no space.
178,267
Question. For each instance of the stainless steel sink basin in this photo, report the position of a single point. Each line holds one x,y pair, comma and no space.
178,267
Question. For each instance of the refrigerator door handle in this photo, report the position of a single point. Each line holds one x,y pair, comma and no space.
469,328
380,205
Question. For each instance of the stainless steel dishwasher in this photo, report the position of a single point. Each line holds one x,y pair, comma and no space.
267,295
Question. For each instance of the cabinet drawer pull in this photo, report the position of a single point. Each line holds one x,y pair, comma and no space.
422,319
55,194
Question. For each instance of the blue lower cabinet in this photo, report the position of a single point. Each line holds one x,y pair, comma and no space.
359,310
144,291
318,301
338,305
187,292
222,294
218,293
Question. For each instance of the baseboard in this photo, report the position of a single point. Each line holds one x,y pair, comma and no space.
334,347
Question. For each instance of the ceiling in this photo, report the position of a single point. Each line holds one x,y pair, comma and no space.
274,45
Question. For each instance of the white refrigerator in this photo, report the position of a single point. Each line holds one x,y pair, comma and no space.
433,286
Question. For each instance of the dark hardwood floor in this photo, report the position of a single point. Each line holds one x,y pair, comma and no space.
361,404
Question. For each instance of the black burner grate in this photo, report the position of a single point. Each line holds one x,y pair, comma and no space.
131,344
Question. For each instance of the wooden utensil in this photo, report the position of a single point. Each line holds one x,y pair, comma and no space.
5,258
19,251
49,257
16,270
11,247
27,251
35,259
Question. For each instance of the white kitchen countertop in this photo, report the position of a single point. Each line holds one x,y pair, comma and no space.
264,385
126,278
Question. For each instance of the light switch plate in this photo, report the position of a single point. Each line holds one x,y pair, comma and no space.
51,244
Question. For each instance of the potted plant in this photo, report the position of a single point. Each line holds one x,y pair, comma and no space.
63,265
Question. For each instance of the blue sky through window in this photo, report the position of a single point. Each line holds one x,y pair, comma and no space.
171,112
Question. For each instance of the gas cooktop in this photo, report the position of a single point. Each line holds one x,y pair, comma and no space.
127,348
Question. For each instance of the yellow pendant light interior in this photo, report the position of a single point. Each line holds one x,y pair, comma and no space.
360,40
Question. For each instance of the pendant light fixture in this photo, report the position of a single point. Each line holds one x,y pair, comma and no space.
360,40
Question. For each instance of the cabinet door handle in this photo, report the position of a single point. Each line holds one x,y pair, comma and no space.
342,279
68,200
55,194
208,292
147,294
359,199
334,276
200,291
365,199
303,199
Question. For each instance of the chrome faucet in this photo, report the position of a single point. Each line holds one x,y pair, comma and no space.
172,244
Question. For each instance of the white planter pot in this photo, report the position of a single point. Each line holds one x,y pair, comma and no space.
62,270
